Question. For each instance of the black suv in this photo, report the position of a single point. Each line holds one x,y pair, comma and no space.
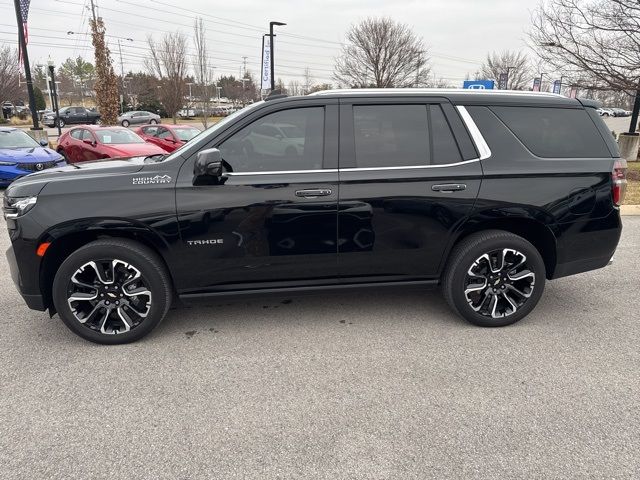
71,116
486,194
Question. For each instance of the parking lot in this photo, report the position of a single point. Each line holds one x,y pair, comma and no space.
374,385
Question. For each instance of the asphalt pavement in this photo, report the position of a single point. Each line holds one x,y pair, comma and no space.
376,385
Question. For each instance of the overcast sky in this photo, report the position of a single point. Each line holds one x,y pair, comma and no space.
458,33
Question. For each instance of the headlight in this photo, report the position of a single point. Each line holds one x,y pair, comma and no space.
16,207
7,164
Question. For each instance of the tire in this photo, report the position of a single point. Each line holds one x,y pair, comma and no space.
60,122
125,123
137,269
153,121
468,270
64,155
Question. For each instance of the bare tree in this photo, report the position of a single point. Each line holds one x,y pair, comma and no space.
204,73
168,62
593,42
9,71
106,85
515,64
380,52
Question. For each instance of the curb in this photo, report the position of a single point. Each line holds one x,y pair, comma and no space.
630,210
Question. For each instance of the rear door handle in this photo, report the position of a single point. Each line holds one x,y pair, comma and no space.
314,192
449,187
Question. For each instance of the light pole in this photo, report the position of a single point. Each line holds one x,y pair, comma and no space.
190,98
509,75
271,25
54,95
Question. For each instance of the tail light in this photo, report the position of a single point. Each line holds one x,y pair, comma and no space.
619,179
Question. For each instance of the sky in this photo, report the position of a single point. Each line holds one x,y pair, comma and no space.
457,33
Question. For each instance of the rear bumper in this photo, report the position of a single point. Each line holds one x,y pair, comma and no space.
581,266
587,245
33,301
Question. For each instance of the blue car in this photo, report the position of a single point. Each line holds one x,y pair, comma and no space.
21,155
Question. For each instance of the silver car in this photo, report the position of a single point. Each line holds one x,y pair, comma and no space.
138,117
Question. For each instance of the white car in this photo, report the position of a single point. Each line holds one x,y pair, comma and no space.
606,112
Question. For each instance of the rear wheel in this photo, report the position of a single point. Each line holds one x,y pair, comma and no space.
112,291
494,278
153,121
60,123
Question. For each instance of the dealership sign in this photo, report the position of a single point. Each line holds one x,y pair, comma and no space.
478,84
265,77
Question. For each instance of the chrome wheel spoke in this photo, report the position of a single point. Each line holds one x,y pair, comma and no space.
522,275
103,321
83,297
125,319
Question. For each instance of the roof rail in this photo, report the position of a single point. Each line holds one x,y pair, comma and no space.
275,94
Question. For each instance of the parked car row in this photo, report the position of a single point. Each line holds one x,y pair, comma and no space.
89,142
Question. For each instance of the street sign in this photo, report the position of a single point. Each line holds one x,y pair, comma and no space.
503,81
478,84
557,86
265,77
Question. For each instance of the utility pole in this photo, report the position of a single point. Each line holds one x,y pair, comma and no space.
271,25
27,68
244,66
93,11
121,75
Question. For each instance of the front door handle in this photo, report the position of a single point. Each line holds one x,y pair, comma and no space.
449,187
314,192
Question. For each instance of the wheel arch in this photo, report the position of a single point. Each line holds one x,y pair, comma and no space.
64,241
531,229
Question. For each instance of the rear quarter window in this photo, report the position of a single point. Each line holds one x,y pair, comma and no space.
554,132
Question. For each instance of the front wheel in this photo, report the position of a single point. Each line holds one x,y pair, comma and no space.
125,123
60,123
153,121
112,291
494,278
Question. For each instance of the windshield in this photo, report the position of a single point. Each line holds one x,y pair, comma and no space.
16,139
117,136
186,134
212,129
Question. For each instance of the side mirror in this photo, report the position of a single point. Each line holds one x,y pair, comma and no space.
44,143
208,163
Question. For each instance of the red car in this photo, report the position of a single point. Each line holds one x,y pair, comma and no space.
167,137
90,142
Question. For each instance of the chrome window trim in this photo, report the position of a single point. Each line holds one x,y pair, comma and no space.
478,139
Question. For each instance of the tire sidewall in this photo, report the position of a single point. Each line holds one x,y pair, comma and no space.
153,277
534,261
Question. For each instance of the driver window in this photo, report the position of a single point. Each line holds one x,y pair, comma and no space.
286,140
164,133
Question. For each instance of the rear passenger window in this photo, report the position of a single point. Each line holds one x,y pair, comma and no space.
391,135
445,148
554,132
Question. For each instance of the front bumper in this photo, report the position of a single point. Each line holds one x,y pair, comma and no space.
10,174
33,301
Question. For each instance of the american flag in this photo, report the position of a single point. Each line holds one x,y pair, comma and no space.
24,13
